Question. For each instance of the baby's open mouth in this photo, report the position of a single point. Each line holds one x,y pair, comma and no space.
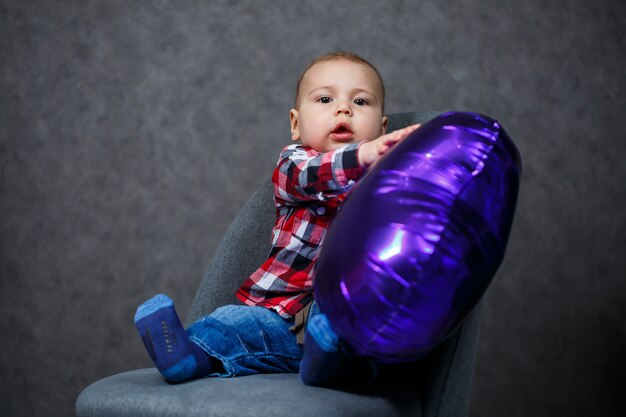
342,129
342,132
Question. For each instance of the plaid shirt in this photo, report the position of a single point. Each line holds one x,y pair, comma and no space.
309,187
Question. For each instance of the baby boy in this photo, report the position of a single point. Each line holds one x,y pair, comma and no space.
338,128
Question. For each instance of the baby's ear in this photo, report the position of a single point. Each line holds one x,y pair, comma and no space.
384,125
295,126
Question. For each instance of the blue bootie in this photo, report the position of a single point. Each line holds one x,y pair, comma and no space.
326,361
174,355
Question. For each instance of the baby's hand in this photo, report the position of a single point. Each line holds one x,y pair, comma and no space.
370,152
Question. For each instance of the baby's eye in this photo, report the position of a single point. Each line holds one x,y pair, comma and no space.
360,101
325,100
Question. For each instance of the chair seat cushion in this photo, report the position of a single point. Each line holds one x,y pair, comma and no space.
143,392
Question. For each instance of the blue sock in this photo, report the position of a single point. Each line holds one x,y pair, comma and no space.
321,359
175,356
325,362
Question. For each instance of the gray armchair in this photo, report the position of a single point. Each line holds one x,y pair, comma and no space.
438,385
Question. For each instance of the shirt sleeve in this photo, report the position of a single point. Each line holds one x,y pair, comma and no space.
303,174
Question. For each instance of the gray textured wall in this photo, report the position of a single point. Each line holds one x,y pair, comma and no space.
131,132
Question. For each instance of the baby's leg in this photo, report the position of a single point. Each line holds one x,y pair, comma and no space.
247,340
325,362
175,356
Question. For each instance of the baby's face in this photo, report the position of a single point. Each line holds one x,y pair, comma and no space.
340,102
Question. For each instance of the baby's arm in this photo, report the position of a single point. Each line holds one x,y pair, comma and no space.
306,175
370,152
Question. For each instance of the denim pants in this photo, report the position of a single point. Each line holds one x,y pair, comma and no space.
249,340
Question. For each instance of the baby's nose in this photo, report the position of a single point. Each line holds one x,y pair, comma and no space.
343,108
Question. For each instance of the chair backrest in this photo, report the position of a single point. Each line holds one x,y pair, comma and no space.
244,247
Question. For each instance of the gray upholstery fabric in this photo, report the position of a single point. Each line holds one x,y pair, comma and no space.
438,385
144,393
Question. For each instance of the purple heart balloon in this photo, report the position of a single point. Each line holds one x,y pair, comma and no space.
420,237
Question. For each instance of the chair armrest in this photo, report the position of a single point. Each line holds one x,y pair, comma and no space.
449,370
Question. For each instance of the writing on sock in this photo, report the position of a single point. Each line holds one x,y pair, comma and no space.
147,340
166,336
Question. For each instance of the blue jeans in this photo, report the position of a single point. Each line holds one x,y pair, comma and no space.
249,340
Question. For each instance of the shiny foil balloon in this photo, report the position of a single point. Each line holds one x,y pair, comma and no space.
420,237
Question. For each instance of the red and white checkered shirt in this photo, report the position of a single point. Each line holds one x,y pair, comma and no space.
309,187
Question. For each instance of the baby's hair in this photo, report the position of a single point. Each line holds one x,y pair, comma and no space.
341,56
